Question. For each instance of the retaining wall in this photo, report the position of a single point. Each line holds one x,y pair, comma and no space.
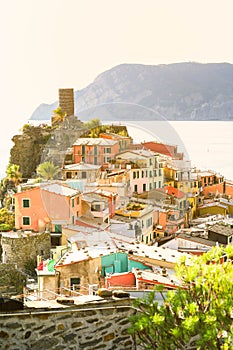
100,326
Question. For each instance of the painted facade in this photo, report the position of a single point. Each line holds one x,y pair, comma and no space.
46,207
82,171
97,151
124,141
145,169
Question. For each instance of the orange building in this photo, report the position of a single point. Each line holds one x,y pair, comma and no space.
96,151
46,207
124,141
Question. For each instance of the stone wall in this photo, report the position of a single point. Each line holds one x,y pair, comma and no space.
20,248
100,326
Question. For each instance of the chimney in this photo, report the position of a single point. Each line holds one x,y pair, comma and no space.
66,101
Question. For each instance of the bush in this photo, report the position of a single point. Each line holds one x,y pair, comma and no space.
5,227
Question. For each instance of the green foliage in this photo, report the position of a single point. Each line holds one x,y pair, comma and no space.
7,220
48,170
58,117
13,174
93,123
5,227
26,127
197,316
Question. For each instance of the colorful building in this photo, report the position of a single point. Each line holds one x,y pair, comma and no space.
81,171
145,168
124,141
47,207
96,151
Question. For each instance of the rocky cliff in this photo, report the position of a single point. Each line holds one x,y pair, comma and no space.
181,91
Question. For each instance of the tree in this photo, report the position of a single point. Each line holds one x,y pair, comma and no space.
48,170
7,220
199,315
93,123
58,117
14,174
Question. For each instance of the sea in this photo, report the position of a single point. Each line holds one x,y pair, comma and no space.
207,144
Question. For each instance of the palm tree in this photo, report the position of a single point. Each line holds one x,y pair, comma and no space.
58,117
47,170
14,174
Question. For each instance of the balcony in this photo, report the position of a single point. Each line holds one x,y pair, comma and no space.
103,214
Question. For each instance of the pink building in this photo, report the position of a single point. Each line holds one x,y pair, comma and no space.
47,206
96,151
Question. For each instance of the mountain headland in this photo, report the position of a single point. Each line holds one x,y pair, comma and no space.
179,91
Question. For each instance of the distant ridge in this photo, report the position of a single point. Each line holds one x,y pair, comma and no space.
179,91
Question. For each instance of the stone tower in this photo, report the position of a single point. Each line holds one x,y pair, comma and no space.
66,101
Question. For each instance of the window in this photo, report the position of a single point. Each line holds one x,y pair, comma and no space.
148,222
84,174
68,175
83,159
144,187
77,200
160,184
150,173
26,203
83,149
26,220
107,150
95,161
58,228
96,207
107,159
160,172
150,161
155,173
142,173
72,219
135,188
75,283
72,202
95,150
155,185
150,186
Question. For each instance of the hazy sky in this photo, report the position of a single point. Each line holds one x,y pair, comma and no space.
52,44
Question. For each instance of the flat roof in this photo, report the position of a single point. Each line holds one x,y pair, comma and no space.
60,189
89,141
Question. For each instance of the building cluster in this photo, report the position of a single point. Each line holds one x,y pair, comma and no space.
121,216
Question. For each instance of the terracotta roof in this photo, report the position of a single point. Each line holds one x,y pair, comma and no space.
172,191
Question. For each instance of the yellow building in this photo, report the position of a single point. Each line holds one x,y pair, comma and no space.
213,208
